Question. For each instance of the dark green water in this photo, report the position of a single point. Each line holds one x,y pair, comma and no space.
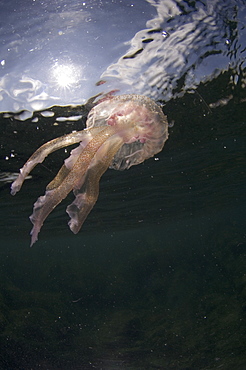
156,277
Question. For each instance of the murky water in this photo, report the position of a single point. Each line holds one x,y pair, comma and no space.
155,279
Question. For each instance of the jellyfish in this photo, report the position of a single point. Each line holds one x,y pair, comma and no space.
120,132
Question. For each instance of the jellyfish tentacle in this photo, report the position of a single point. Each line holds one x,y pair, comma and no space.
87,196
42,152
57,181
46,203
69,162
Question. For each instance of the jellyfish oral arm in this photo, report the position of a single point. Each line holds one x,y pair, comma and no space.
86,197
72,181
41,153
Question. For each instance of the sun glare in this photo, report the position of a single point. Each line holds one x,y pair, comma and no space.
65,76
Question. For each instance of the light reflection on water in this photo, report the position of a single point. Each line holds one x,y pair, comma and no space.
180,46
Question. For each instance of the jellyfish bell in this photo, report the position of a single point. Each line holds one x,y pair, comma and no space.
121,132
142,122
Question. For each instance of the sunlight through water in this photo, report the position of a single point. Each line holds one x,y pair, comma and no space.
65,76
